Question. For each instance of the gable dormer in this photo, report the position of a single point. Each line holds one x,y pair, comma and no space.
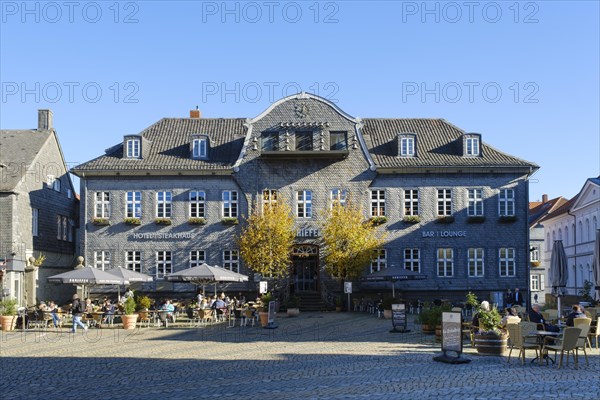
471,145
407,145
199,146
135,147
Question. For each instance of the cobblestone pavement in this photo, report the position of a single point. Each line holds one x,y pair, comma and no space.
317,355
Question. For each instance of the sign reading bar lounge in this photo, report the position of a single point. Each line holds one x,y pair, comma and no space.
444,234
163,235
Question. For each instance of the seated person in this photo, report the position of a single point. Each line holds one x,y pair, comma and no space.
108,311
53,310
485,305
220,306
538,318
575,313
511,317
170,309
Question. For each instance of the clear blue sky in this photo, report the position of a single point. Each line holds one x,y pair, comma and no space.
525,75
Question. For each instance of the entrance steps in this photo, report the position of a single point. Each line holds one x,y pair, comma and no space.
311,301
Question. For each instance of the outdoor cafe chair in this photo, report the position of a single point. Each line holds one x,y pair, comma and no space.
144,318
594,332
568,344
584,324
516,340
249,315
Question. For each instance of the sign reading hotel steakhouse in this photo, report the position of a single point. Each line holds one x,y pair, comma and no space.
177,194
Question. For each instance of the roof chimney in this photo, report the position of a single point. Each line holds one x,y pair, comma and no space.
195,113
544,198
45,118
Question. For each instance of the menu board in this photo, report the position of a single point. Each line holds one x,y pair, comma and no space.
452,331
399,316
271,312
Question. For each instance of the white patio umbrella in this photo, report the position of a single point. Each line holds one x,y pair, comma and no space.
205,274
559,272
87,276
128,277
596,264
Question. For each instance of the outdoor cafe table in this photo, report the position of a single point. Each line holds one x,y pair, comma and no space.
541,336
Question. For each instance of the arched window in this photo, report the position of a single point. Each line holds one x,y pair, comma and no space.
559,234
580,231
588,234
595,224
548,244
566,235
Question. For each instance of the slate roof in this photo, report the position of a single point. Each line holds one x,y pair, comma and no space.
439,143
561,210
18,149
170,147
540,210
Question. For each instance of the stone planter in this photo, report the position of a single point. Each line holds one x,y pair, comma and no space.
491,344
129,321
293,312
427,329
8,322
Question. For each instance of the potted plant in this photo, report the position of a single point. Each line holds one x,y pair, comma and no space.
427,320
412,219
293,306
101,221
490,339
130,317
378,220
8,313
144,303
263,314
162,221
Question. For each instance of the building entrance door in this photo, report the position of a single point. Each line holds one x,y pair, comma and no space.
305,273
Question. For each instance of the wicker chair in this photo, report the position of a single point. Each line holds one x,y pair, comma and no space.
517,340
568,344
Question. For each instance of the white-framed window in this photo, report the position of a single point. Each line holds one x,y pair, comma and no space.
534,254
444,202
304,204
133,260
445,262
475,201
35,221
133,148
69,194
270,141
339,196
197,258
379,260
197,204
411,202
71,230
472,146
475,262
534,283
231,260
59,227
200,148
269,197
133,204
102,260
506,202
412,260
229,203
56,186
164,204
506,261
164,263
338,140
407,146
378,203
102,205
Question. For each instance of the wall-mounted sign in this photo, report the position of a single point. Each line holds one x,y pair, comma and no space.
444,234
161,235
307,233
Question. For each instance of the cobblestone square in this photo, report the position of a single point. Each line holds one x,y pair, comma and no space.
317,355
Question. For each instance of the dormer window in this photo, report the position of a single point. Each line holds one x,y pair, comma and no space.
199,146
304,140
472,145
133,148
338,140
270,141
407,145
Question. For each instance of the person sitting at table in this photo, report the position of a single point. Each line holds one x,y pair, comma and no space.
170,309
220,307
511,317
53,310
108,312
485,306
575,313
585,312
538,318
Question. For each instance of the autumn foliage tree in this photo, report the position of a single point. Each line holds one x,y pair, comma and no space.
349,241
266,241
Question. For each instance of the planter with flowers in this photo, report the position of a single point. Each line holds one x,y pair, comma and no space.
8,314
130,317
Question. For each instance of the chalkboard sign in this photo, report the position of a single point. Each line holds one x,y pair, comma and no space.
452,332
399,316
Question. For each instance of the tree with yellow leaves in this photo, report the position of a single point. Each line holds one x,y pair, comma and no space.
266,241
349,241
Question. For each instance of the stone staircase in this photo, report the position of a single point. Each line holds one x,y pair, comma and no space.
311,301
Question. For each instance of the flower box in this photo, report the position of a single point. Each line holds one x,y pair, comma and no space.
132,221
378,220
230,221
197,221
100,221
535,263
412,219
475,219
445,219
507,219
162,221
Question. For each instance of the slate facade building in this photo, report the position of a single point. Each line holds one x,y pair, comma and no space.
453,207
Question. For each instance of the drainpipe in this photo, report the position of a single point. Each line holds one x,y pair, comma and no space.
84,219
575,246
